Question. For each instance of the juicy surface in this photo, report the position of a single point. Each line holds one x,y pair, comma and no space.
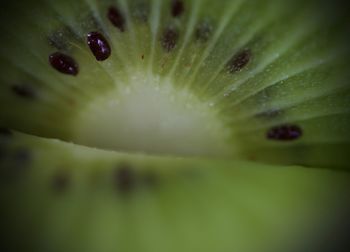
247,66
263,80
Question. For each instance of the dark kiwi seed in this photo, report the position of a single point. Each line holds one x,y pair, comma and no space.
203,31
116,18
98,46
177,8
239,61
284,132
124,178
60,181
63,63
24,91
169,39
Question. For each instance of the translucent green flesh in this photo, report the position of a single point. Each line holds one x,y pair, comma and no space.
188,205
183,102
144,109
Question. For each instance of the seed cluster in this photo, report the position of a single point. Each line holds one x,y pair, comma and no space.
101,50
124,179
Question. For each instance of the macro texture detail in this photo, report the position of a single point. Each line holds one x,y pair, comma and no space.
174,125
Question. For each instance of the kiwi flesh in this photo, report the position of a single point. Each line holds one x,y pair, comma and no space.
166,113
77,198
210,81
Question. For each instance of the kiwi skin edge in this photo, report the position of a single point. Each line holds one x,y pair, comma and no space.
147,125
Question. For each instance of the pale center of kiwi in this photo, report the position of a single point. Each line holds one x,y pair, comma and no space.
150,114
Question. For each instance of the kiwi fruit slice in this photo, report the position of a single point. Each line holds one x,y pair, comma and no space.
174,125
81,199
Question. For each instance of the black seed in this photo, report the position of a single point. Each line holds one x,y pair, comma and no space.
125,178
239,61
98,46
24,91
284,132
116,18
4,132
203,31
177,8
169,39
63,63
60,181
